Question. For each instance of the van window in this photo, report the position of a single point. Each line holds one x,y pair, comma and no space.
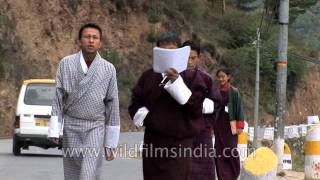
39,94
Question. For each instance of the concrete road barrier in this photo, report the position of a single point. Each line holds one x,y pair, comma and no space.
312,154
260,165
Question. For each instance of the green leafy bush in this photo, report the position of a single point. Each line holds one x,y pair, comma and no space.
153,15
240,26
113,56
2,71
152,36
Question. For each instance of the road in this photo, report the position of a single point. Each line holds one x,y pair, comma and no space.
40,164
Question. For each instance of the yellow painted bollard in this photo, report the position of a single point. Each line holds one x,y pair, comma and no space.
243,143
260,165
312,154
286,158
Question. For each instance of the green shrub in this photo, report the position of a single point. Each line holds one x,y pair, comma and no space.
2,71
240,26
153,15
298,162
152,36
113,56
2,63
188,8
295,73
242,62
126,80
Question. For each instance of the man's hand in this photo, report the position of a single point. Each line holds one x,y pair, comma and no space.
234,129
172,74
233,125
55,140
239,131
109,152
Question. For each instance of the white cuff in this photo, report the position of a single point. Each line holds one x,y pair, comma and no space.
207,106
112,136
139,117
55,127
178,90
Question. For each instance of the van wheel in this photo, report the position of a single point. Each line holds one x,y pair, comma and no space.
16,146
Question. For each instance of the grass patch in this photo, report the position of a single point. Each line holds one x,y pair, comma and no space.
297,162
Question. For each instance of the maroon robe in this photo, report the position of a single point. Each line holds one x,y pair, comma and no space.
169,125
227,156
203,166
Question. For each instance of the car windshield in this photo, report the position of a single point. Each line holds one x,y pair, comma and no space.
39,94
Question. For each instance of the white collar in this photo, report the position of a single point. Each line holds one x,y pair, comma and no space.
83,63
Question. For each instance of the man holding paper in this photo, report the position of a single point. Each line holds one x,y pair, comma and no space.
168,102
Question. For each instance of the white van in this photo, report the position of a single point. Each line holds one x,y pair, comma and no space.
33,115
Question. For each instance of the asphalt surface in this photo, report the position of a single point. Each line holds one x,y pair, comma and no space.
41,164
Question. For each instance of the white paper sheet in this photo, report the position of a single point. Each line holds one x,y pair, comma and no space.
163,59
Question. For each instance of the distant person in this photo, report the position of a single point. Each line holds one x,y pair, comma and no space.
170,125
203,166
87,100
226,129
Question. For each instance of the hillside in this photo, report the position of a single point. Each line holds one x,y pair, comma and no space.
35,35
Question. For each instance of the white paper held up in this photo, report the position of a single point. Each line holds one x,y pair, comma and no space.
164,59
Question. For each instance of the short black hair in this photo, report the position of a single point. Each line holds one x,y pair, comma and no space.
89,25
169,37
194,46
225,70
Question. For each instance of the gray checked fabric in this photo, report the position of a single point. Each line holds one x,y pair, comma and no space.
89,105
82,149
93,96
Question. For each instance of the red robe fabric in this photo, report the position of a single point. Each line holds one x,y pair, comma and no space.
170,127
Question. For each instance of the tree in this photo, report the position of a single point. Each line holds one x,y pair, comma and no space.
297,7
307,27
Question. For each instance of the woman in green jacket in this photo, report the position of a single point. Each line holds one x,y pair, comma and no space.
229,124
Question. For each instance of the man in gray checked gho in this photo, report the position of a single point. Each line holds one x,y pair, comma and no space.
86,100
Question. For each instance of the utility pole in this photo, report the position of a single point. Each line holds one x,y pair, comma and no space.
281,84
257,87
